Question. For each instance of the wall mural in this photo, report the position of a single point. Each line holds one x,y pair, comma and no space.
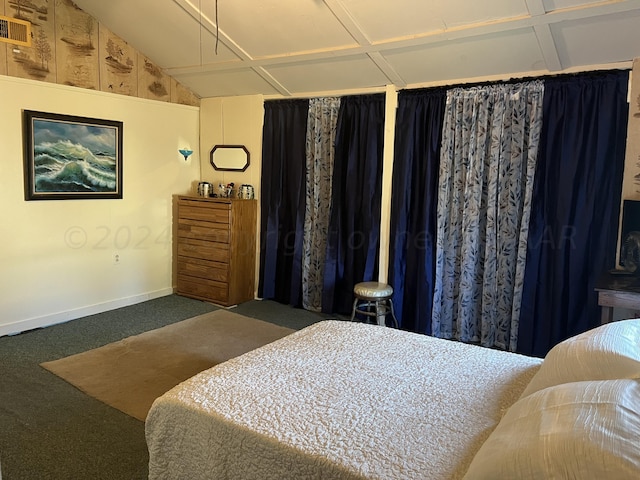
36,62
76,46
182,95
118,66
70,47
153,83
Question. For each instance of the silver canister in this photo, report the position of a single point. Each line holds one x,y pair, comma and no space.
246,191
205,189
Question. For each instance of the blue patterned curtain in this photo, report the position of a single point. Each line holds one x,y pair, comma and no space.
414,198
321,134
354,228
487,166
576,203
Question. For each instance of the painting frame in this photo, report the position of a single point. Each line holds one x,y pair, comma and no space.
68,157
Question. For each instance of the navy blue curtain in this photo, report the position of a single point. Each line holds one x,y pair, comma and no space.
575,206
418,133
354,227
282,200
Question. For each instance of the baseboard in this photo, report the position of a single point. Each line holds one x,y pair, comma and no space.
61,317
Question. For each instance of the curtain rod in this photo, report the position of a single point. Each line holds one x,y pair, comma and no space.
518,79
375,90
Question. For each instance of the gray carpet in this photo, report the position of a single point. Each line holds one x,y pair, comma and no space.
51,430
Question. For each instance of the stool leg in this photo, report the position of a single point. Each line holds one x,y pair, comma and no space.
380,313
393,315
368,308
353,311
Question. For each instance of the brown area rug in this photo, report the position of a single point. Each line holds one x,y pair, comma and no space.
131,373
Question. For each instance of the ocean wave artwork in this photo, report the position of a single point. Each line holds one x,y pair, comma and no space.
74,157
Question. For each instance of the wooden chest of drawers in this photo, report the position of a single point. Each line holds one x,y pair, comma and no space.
215,248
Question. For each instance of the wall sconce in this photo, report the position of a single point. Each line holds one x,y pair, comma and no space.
185,153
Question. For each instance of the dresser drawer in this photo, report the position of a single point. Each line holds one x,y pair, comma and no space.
212,251
197,267
210,212
203,289
213,232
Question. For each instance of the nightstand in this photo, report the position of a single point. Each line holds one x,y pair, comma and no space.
616,290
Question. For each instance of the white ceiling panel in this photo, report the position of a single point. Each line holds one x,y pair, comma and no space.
289,47
228,83
397,19
463,12
611,38
484,56
386,20
551,5
160,29
338,74
278,27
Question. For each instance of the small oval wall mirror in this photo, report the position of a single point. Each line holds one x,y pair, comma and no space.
229,157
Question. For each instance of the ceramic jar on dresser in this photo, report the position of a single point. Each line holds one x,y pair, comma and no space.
216,249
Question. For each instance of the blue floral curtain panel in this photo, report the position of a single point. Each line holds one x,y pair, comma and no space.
487,166
321,134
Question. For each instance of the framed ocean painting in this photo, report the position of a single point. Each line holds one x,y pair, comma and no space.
68,157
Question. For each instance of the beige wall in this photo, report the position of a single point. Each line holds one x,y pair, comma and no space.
232,121
57,257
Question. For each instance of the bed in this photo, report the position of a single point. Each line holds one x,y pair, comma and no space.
343,400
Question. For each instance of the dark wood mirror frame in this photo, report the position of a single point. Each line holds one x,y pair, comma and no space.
230,158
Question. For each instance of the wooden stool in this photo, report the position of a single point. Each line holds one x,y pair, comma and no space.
373,299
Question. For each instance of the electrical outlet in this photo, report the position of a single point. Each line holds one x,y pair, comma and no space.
116,259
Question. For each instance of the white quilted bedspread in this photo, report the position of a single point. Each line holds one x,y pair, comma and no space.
336,400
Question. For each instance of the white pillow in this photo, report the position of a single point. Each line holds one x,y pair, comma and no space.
607,352
581,430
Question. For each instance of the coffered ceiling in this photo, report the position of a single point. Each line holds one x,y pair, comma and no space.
310,47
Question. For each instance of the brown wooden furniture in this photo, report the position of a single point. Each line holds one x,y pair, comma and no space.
622,291
215,246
